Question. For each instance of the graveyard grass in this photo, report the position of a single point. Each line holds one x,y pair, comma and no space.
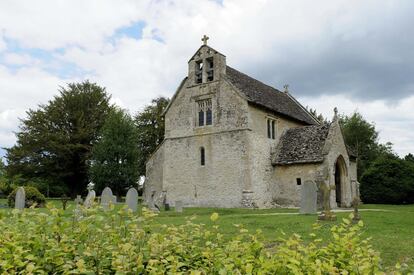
390,226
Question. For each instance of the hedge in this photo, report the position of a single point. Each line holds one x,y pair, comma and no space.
33,197
120,242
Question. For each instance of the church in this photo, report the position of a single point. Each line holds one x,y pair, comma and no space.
234,141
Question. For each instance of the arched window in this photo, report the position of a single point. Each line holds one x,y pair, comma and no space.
202,156
205,112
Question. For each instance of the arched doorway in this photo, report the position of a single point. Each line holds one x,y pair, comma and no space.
340,176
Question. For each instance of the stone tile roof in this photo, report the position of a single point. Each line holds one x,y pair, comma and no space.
351,151
302,145
268,97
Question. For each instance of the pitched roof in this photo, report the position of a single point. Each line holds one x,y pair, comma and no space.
302,145
266,96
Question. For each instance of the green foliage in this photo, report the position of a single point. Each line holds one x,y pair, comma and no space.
115,155
363,137
33,197
150,126
2,168
409,157
109,242
388,180
316,115
54,142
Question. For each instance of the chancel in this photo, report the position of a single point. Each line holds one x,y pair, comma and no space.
233,141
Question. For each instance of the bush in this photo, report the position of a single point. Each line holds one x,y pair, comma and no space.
388,180
119,242
32,196
5,188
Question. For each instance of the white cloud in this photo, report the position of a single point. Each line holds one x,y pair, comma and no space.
50,24
320,48
8,124
3,45
20,59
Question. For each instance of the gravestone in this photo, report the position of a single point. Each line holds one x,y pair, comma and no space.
327,214
308,198
152,204
179,206
107,198
90,198
78,200
20,198
355,204
132,199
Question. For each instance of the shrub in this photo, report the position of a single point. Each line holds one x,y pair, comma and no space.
32,196
5,188
388,180
119,242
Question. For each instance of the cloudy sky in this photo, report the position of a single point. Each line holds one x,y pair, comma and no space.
356,55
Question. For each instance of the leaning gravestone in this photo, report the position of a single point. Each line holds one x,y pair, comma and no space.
107,198
20,198
132,199
308,198
179,206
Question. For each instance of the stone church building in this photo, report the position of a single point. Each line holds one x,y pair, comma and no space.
233,141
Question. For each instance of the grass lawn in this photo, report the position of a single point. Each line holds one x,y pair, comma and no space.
392,230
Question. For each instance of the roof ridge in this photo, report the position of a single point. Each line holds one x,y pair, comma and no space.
264,95
261,82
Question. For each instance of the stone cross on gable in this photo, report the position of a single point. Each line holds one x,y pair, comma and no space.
204,39
286,86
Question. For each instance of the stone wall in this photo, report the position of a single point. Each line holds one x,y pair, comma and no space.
288,191
334,148
219,183
226,173
154,173
264,181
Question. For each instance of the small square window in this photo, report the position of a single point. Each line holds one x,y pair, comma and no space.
298,181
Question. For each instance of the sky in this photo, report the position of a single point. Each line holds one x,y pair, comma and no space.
353,55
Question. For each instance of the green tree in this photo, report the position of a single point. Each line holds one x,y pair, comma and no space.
115,156
409,157
363,137
55,141
150,125
316,115
2,168
388,180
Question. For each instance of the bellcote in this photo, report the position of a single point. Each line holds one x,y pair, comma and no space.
206,65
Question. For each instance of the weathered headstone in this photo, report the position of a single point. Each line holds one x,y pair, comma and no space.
90,198
179,206
107,198
152,205
78,200
20,198
64,200
308,198
327,214
132,199
355,204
